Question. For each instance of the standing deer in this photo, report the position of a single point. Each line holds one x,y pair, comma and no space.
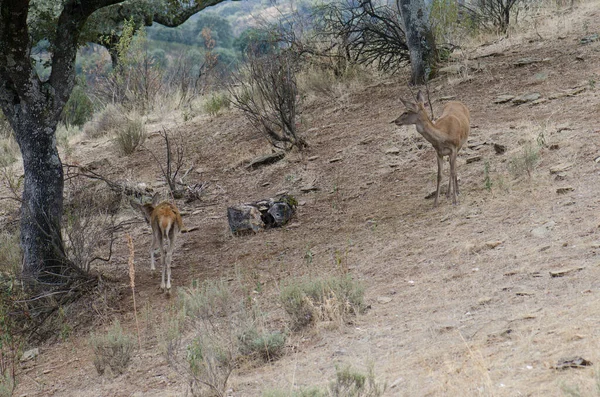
166,223
447,135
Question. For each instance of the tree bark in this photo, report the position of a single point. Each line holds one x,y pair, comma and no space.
42,207
419,39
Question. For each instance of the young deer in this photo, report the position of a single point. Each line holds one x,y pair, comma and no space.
447,135
166,223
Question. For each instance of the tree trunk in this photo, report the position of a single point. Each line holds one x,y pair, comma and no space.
42,207
419,39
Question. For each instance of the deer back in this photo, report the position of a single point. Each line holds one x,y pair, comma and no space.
455,122
166,218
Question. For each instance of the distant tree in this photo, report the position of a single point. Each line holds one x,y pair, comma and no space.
33,107
255,40
105,26
220,29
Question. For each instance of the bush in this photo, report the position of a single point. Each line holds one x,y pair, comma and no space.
106,122
79,108
525,162
267,94
352,383
215,103
112,350
330,299
10,253
131,136
266,345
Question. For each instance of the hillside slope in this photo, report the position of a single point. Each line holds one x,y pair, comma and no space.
462,299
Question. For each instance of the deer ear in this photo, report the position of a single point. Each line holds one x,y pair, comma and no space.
155,199
408,104
421,97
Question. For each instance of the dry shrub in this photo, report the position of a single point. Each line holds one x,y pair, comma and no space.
106,122
224,332
10,253
215,103
131,136
113,349
331,299
9,151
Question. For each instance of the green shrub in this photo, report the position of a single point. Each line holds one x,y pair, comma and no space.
112,350
79,108
525,162
351,383
267,345
329,299
216,102
131,136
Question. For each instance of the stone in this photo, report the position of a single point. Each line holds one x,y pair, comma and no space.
526,98
392,150
563,272
527,61
313,158
244,219
565,189
384,299
557,169
265,160
473,159
503,98
30,354
335,160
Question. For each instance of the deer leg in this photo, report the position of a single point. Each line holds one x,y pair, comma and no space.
439,179
152,249
453,179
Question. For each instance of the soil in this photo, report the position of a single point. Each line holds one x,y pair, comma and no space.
462,299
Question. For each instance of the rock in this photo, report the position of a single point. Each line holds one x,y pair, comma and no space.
384,299
538,101
475,145
527,61
499,149
452,69
562,272
30,354
392,150
335,160
493,244
557,169
473,159
589,39
484,301
503,98
244,219
309,188
526,98
265,184
281,213
597,159
265,160
396,383
565,189
572,362
313,158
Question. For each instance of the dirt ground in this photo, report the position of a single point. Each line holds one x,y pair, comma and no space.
462,299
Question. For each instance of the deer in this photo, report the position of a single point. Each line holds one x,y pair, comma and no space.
165,220
447,135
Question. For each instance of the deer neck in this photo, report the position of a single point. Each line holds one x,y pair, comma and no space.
429,131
